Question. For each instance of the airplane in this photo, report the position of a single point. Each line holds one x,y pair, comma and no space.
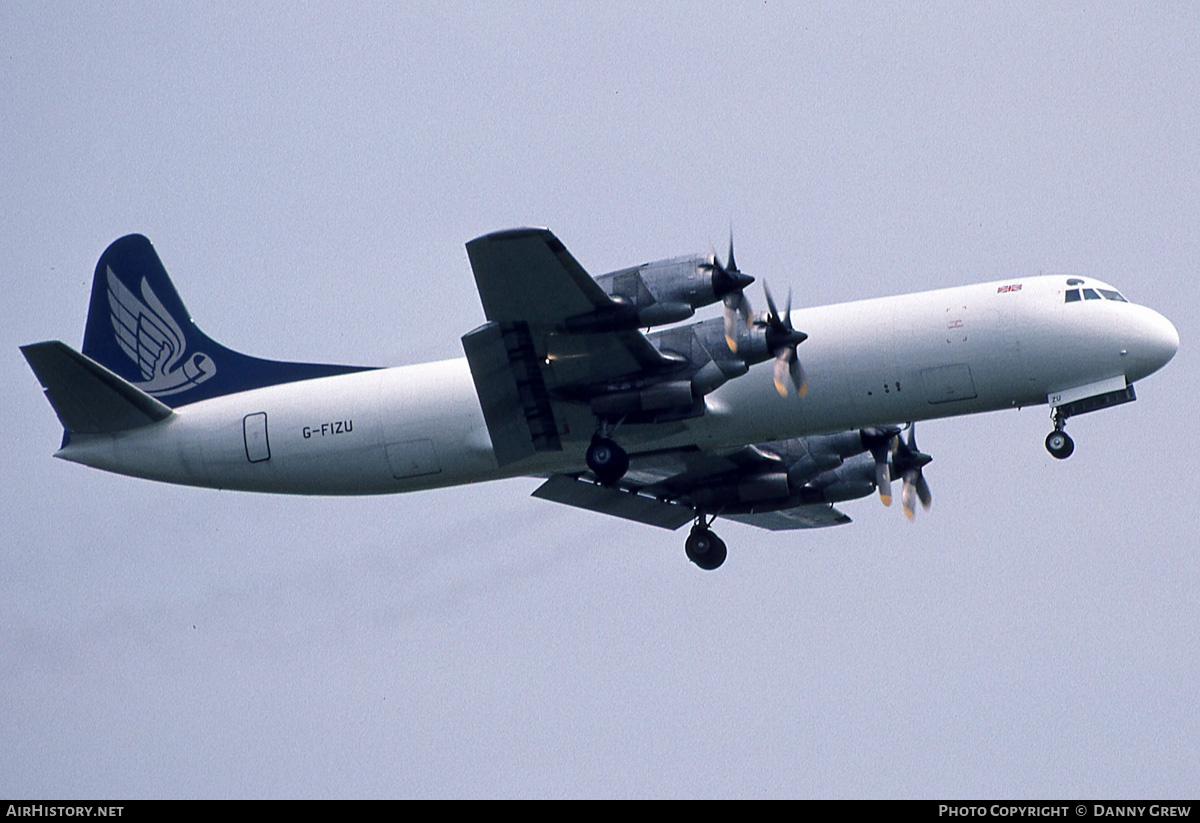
767,418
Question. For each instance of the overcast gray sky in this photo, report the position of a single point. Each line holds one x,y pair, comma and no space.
309,175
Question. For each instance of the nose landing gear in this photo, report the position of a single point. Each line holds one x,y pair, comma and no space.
1058,442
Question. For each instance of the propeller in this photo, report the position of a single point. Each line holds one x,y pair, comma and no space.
880,442
782,340
907,462
729,284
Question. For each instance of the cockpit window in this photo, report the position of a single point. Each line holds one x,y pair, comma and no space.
1075,295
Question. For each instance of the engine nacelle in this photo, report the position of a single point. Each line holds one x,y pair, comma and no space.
808,457
742,492
680,280
658,293
752,344
853,479
815,469
671,395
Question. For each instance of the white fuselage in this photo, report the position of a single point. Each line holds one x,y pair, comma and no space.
889,360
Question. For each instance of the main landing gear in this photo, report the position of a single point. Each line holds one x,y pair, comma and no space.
703,547
1058,442
605,458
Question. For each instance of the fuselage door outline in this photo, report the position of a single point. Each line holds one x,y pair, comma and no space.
254,430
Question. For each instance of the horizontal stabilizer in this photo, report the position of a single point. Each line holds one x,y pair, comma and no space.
87,397
562,488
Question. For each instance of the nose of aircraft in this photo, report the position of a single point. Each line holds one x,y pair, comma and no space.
1154,342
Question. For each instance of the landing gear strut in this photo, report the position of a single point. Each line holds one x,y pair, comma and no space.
607,460
703,547
1058,442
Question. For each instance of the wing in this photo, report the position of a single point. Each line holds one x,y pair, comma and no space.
670,489
526,277
535,353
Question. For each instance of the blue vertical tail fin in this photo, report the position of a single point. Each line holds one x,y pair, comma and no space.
138,327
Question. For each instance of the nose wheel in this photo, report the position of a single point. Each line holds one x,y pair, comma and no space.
1058,442
704,548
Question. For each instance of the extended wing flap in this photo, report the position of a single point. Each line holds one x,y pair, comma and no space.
512,395
809,516
87,397
563,488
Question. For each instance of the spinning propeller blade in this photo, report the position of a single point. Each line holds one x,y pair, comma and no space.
879,442
729,284
908,461
782,340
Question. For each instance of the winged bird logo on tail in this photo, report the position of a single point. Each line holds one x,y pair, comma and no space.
147,333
